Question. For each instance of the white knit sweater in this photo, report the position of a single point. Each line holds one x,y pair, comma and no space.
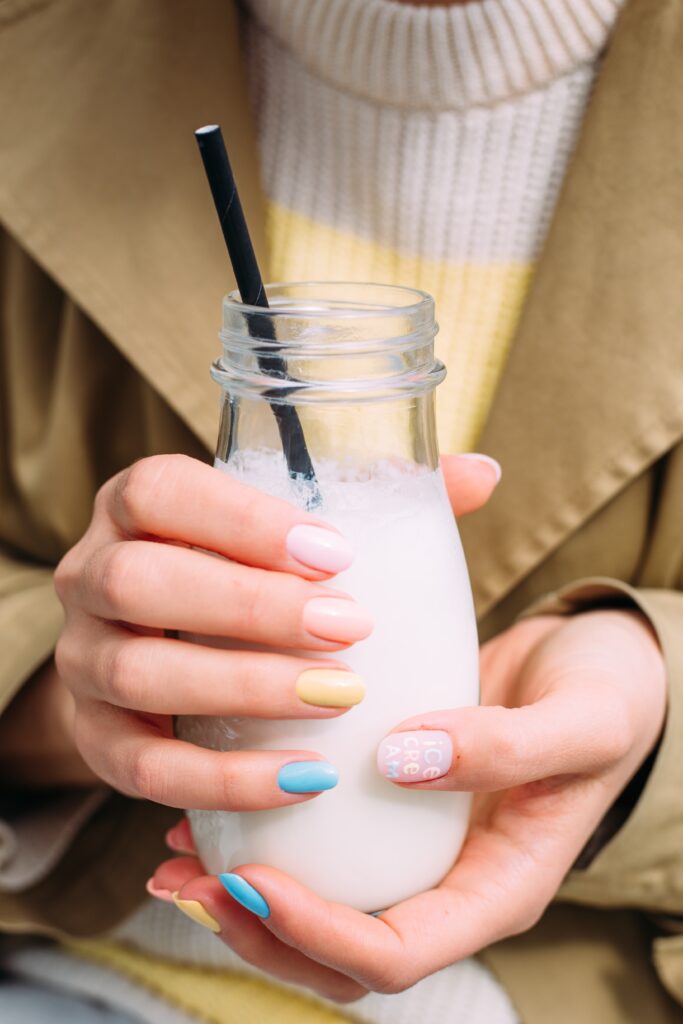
424,146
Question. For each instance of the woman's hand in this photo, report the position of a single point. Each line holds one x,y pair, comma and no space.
137,572
571,708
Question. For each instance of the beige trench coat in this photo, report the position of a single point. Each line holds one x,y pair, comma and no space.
111,273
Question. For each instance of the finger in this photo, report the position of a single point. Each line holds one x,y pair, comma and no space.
177,498
487,749
180,838
470,480
173,874
184,877
506,875
175,588
174,677
134,757
255,944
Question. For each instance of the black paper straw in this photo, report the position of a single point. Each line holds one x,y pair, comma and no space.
250,284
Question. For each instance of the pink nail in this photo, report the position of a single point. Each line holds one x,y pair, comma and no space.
160,894
493,463
334,618
319,548
179,838
415,756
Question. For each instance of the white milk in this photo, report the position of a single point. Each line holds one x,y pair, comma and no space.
368,842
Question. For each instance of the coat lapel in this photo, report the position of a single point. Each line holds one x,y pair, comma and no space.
110,198
593,391
101,180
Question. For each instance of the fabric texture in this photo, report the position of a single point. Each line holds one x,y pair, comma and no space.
211,984
26,1003
588,428
424,147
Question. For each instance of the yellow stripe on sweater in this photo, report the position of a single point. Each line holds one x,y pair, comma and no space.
215,997
477,306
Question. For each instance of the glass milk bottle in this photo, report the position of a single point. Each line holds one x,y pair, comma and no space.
361,373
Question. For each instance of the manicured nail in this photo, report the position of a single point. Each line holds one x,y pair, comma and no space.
307,777
319,548
330,688
176,839
335,618
196,912
418,756
159,894
495,466
245,894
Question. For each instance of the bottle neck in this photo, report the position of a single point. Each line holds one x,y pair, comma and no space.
352,364
359,438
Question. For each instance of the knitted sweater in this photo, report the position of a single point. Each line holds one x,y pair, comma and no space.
416,145
423,146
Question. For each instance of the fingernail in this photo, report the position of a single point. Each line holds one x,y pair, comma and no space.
335,618
159,894
330,688
196,912
495,466
319,548
418,756
245,894
176,841
307,777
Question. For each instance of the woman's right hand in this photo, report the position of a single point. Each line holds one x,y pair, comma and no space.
137,573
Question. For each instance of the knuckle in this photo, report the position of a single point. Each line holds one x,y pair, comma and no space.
103,494
81,731
253,598
394,973
147,775
345,993
123,674
68,657
528,914
66,575
527,918
390,981
508,744
115,575
232,790
251,684
617,739
136,488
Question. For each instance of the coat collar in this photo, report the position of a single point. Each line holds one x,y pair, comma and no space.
101,181
593,390
109,197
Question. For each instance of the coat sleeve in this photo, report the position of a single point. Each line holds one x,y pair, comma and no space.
641,866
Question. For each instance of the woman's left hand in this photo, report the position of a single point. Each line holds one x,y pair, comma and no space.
571,708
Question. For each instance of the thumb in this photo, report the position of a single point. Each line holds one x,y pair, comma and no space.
487,749
470,480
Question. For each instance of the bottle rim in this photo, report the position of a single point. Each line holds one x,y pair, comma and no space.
381,336
422,299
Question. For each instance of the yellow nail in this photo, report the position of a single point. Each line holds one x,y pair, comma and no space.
196,912
330,688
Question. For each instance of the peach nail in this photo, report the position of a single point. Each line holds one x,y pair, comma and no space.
336,619
160,894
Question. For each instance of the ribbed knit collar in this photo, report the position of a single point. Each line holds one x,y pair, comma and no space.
450,57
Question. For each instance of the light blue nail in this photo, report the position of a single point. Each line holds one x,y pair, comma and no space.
307,776
245,894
